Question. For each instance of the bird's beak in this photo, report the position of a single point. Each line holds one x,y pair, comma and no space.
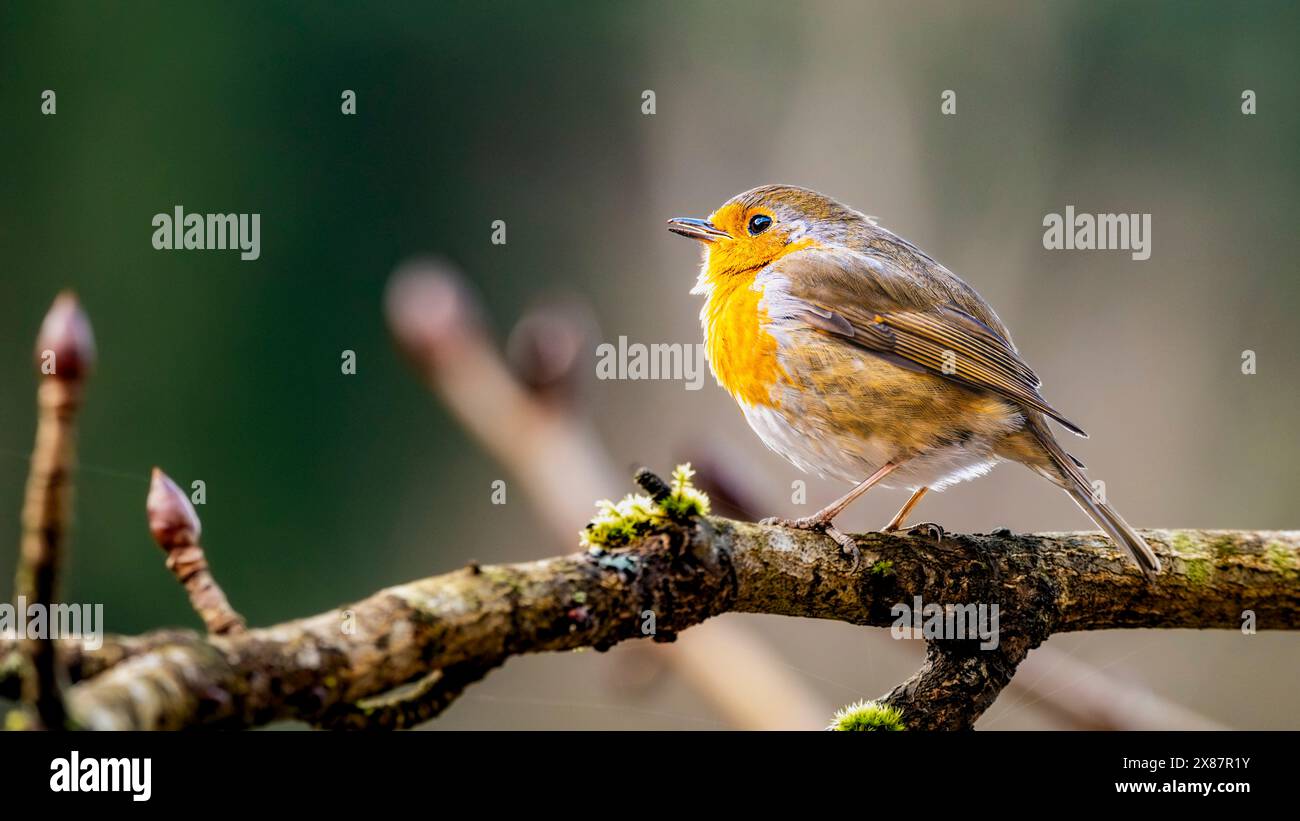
703,230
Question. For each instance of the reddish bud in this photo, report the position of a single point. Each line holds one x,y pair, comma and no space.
429,310
65,345
546,347
172,519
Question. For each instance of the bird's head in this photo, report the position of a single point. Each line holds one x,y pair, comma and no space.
752,230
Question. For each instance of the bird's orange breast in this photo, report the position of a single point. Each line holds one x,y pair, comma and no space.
741,350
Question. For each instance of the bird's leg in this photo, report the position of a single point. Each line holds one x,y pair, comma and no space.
823,517
821,520
896,523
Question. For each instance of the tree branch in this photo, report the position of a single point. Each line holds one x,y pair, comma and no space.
683,573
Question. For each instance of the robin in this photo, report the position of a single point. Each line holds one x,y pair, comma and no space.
855,355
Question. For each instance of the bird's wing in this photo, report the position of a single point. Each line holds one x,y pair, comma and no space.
910,320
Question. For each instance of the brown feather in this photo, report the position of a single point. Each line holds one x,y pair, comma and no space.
912,316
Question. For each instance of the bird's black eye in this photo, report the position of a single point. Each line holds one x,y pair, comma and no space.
758,224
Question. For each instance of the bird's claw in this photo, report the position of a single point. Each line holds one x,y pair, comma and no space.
806,523
931,529
848,545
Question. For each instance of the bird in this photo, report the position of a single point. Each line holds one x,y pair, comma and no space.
857,356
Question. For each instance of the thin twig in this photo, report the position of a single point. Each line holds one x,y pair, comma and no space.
175,527
65,356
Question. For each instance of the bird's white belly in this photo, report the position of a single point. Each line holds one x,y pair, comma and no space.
852,458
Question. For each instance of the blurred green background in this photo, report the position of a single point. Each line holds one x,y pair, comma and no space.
323,487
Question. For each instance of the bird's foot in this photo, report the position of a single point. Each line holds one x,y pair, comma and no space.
932,529
817,524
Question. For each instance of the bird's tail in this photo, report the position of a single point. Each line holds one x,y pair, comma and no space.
1065,471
